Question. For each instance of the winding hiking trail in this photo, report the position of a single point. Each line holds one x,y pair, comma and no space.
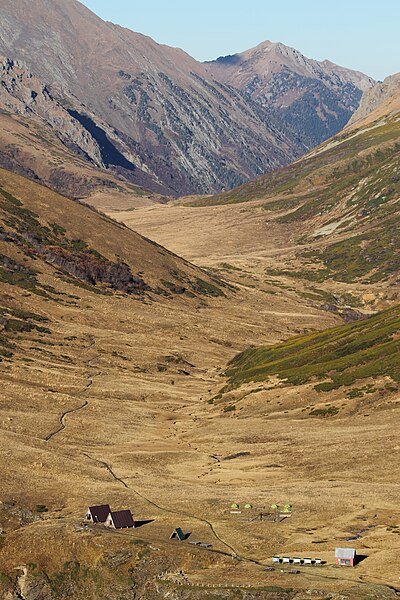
169,510
61,420
230,550
108,467
233,553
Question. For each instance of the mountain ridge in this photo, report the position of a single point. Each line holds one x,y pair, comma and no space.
301,83
189,132
24,95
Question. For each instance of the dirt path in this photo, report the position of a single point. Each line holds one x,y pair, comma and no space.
61,420
84,390
233,552
168,510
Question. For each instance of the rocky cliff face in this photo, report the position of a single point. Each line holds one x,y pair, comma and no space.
22,93
315,99
381,93
61,116
190,127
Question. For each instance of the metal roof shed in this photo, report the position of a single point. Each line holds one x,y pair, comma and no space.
345,557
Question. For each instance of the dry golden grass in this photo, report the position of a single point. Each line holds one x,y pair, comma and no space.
137,377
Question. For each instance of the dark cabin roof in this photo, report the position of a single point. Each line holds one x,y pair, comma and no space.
122,518
178,532
100,513
345,553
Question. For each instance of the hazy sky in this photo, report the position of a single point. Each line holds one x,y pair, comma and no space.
359,34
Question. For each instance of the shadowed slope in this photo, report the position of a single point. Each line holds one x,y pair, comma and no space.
40,226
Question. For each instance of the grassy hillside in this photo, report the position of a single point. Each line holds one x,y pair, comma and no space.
350,154
341,203
110,346
85,249
336,357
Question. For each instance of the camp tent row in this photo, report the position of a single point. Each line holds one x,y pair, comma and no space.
296,560
120,519
343,557
287,508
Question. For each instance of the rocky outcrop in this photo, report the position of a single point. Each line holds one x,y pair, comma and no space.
22,93
380,93
80,131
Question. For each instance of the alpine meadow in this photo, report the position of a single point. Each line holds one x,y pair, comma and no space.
199,318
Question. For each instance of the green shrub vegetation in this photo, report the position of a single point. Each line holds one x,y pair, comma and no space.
340,356
85,266
360,173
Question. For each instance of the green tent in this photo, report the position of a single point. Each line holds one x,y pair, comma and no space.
248,506
235,506
274,506
178,534
287,508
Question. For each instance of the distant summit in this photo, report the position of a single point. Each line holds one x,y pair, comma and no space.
183,126
313,99
230,59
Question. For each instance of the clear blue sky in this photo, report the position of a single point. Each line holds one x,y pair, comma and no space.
359,34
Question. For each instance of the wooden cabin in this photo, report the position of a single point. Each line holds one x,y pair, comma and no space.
120,519
98,514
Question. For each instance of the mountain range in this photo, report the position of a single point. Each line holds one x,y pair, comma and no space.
134,377
156,115
183,357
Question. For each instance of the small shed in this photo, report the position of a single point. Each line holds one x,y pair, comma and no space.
308,561
345,557
178,534
98,514
120,519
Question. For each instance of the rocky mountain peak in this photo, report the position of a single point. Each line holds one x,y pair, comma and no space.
192,127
